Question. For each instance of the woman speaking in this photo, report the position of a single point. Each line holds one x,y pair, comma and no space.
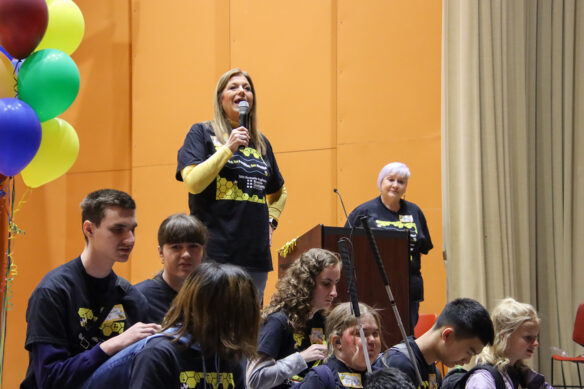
391,211
235,186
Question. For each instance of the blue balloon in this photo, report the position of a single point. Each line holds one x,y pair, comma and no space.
6,53
20,135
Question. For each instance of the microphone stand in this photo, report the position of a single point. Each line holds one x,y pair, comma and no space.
348,266
385,280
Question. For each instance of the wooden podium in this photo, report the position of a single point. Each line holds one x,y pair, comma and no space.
394,251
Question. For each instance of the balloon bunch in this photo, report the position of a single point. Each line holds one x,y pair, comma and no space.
38,82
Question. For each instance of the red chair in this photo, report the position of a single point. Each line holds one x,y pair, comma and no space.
578,337
425,322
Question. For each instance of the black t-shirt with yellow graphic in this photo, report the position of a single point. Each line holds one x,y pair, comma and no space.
344,377
409,217
163,363
278,340
71,310
233,206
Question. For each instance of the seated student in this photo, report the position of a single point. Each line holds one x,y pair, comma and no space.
461,331
82,313
346,366
292,332
388,378
516,329
181,242
211,325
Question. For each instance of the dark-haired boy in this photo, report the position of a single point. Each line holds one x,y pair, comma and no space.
181,244
461,331
81,313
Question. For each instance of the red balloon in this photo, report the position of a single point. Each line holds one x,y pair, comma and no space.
22,25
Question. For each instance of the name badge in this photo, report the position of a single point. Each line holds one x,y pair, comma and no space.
351,380
317,336
116,314
406,218
432,381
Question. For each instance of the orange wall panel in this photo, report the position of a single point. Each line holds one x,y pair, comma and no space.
389,69
157,196
288,49
101,112
177,58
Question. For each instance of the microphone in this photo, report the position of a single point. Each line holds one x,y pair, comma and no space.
243,109
343,204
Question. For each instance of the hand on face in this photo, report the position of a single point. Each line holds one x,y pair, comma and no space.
349,348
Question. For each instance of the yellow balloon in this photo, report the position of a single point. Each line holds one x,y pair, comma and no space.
7,79
65,29
57,153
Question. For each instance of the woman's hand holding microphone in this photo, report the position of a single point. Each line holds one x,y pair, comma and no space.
238,137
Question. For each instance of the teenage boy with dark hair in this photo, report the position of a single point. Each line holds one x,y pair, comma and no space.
81,313
461,331
181,245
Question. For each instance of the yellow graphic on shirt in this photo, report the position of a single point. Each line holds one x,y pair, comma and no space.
250,151
114,321
432,383
298,338
190,379
400,224
228,190
351,380
85,315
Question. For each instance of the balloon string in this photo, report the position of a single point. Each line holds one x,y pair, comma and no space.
11,269
14,74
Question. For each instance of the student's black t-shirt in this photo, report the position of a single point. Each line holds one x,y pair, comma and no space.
159,295
344,377
278,340
163,363
72,310
395,358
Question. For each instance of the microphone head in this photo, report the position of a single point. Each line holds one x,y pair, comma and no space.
243,107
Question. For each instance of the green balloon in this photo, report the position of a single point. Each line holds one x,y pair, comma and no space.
48,81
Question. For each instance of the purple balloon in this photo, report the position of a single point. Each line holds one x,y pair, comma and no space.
20,135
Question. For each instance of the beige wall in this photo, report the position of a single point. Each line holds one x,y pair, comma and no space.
343,87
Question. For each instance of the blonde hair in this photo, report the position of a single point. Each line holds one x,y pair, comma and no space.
507,317
342,317
221,124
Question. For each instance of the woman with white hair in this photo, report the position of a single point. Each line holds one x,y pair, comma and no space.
516,330
391,211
